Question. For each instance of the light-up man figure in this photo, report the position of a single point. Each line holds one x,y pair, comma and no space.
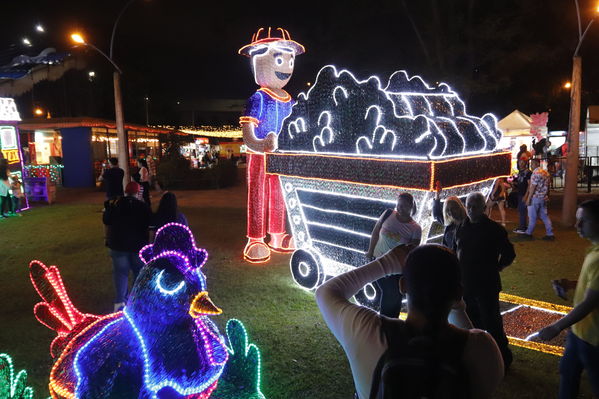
272,54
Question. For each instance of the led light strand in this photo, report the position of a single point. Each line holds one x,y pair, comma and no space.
14,381
156,386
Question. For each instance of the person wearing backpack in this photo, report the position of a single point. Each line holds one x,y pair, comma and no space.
432,354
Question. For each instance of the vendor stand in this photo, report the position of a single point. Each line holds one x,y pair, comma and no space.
10,145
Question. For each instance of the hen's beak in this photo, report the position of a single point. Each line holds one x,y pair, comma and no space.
202,305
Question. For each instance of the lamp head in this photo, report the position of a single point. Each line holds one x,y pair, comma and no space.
77,38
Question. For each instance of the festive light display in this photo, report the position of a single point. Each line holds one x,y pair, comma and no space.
52,172
13,386
350,146
162,344
272,54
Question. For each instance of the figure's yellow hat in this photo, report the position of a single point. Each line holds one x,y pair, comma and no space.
267,36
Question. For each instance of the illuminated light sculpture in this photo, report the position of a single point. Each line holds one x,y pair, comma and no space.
13,386
162,345
349,147
272,54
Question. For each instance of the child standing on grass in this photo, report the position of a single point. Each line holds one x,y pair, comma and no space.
17,193
582,343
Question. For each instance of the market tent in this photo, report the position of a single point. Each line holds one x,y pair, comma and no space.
515,124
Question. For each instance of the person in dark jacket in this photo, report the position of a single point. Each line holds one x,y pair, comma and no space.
522,181
113,180
168,212
484,249
126,220
451,214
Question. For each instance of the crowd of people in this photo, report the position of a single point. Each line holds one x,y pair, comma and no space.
452,343
130,223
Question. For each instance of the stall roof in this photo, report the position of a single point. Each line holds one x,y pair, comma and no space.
515,124
83,121
593,114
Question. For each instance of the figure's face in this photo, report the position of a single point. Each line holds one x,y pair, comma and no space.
273,68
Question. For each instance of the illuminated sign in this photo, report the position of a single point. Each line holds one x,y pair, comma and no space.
8,110
8,144
8,138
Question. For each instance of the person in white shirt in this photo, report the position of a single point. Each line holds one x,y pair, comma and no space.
394,227
431,282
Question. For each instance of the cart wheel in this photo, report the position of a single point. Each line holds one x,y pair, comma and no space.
369,296
306,270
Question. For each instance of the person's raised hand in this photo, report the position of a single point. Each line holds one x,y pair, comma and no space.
438,189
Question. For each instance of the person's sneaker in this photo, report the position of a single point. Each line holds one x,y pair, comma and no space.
520,230
549,238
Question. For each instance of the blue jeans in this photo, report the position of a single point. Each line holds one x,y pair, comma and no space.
578,355
522,212
122,263
538,207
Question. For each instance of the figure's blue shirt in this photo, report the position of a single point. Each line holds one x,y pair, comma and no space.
266,111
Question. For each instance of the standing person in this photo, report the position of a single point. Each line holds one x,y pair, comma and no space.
582,343
152,169
5,200
127,220
113,180
484,249
431,281
17,193
452,214
168,212
536,199
524,153
144,180
522,182
498,197
394,227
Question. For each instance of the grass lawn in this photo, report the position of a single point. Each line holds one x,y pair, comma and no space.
301,359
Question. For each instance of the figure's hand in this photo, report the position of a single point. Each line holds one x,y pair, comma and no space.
270,142
549,332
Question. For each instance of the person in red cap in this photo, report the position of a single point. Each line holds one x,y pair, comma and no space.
272,54
126,220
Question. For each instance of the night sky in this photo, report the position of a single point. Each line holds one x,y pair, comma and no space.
499,55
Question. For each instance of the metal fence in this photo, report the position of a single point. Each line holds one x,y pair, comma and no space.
588,171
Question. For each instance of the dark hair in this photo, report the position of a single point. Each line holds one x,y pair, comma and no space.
113,161
592,207
408,197
143,162
433,280
3,169
167,210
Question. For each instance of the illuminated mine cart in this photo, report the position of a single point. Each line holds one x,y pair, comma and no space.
10,145
334,202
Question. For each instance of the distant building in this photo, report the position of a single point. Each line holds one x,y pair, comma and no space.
590,139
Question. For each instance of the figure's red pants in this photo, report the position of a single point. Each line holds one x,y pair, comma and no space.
266,207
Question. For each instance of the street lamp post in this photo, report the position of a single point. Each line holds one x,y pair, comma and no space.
122,141
122,144
571,181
